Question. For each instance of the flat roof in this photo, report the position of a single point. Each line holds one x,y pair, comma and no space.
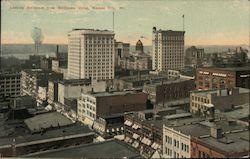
231,142
107,149
47,120
246,68
239,112
71,130
176,116
75,81
197,129
223,92
166,82
6,74
113,93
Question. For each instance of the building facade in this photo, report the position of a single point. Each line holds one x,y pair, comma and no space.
212,78
176,144
121,50
31,79
9,85
168,49
95,104
72,88
52,91
91,54
204,102
169,90
194,57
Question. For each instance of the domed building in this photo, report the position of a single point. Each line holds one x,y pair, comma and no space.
137,60
139,46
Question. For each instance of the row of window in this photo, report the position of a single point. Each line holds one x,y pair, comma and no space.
200,99
90,114
184,147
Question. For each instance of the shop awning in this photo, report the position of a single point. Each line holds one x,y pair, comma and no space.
135,136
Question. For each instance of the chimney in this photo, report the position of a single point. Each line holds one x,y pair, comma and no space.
107,89
216,132
57,51
218,92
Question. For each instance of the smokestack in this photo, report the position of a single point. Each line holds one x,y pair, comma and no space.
57,51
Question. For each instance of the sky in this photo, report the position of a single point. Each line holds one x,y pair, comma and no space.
213,22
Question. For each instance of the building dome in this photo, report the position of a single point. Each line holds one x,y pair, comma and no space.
139,46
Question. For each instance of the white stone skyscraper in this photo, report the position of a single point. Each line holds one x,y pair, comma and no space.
168,49
91,54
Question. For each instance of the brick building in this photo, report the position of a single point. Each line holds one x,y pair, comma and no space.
144,130
210,78
233,144
95,104
170,90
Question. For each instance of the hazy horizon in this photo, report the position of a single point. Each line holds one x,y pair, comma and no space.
206,22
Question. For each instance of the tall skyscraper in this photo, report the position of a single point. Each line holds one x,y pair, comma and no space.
91,54
168,49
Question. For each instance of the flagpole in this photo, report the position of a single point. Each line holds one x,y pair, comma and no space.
183,22
113,21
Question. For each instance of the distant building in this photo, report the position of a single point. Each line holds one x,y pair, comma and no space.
204,102
194,57
46,62
95,104
137,60
23,102
139,46
169,90
52,91
121,51
137,81
230,58
42,96
91,54
9,84
73,88
212,78
31,79
60,66
168,49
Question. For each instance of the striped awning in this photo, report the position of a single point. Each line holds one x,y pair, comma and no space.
135,136
128,123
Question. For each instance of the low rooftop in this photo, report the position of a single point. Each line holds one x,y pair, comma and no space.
75,81
106,149
239,112
166,82
47,120
112,93
228,68
72,130
223,92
